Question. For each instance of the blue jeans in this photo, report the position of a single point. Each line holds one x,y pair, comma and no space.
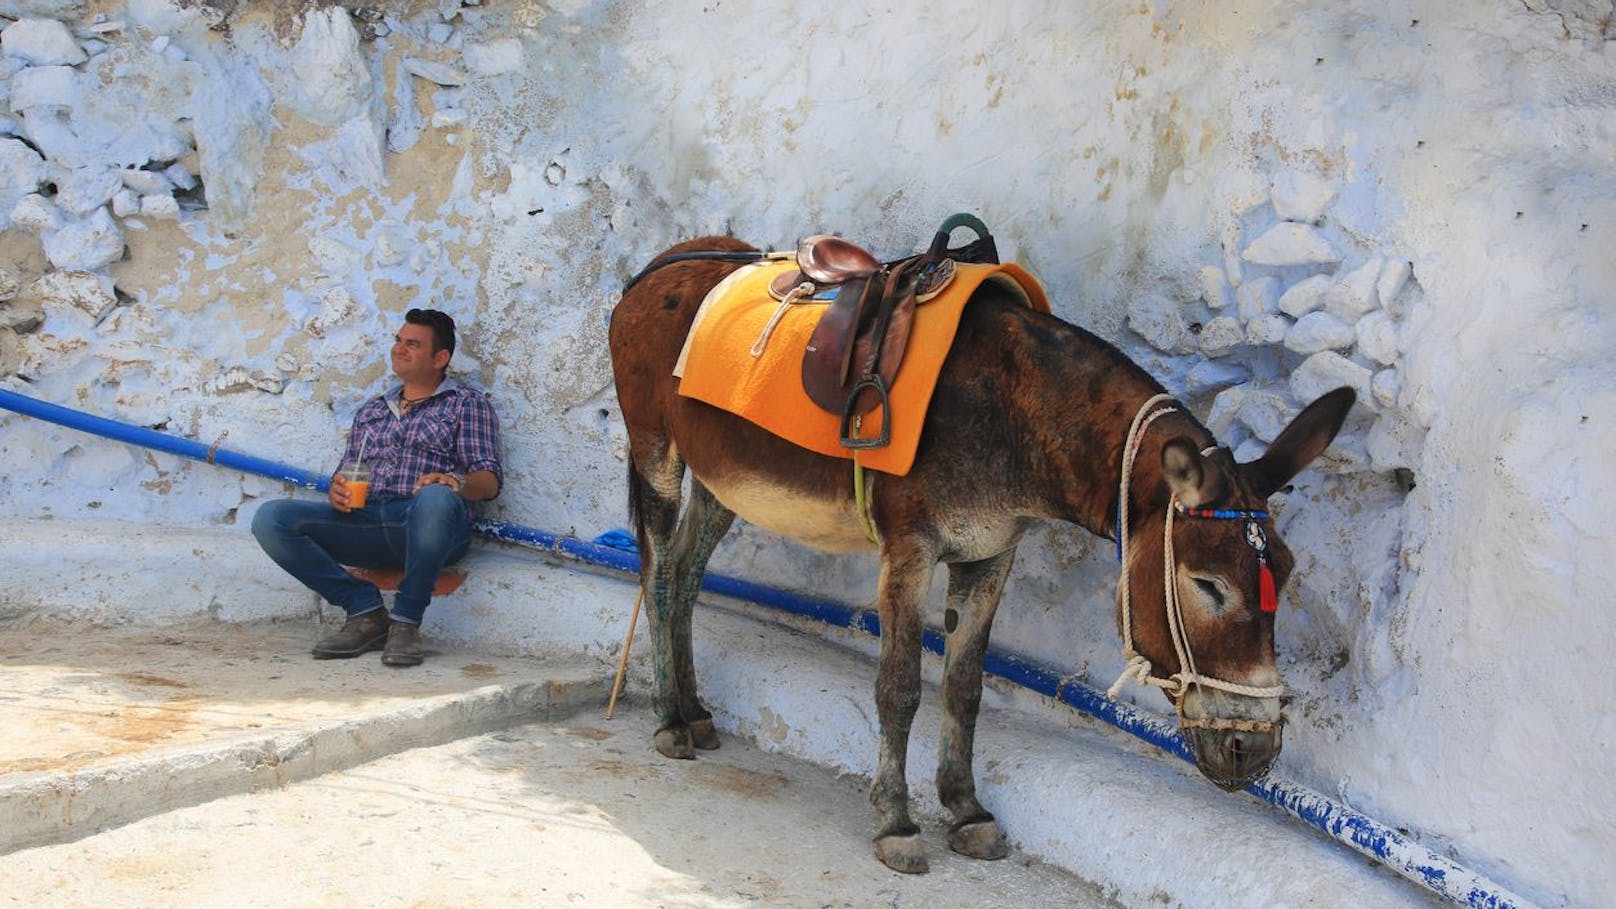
312,541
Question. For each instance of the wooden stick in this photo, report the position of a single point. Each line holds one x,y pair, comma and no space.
622,661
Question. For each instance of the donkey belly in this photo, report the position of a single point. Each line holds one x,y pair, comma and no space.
828,524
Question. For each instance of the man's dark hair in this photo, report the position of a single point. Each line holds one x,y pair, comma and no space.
441,323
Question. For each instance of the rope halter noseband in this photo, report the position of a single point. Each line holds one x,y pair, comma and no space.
1139,667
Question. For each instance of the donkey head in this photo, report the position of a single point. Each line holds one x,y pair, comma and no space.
1213,649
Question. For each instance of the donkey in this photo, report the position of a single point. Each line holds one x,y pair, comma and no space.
1033,418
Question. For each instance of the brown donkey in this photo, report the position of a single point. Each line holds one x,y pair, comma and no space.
1032,419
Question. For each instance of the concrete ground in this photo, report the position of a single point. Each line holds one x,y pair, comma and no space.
473,781
165,740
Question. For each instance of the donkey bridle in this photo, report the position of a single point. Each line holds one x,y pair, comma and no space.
1139,667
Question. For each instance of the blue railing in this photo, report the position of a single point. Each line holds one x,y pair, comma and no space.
615,550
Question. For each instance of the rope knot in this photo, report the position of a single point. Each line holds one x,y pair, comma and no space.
1138,669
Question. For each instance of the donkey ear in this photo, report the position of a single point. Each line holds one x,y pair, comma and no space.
1187,474
1302,441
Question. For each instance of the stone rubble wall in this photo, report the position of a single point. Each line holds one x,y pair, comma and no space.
212,216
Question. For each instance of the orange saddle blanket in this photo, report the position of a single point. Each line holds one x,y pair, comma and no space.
717,365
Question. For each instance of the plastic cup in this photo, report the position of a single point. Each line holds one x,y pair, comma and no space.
356,477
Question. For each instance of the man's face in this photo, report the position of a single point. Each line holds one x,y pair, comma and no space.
413,359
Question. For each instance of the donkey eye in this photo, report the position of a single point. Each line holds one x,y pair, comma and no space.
1211,590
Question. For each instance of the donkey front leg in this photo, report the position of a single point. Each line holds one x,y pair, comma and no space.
905,579
974,589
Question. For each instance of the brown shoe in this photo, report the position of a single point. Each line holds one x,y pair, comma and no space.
360,634
403,645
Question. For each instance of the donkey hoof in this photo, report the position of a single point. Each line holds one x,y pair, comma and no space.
703,735
979,839
674,742
902,853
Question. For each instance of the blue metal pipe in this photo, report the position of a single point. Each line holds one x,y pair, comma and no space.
1361,833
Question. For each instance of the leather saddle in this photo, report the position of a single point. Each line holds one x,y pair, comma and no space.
859,342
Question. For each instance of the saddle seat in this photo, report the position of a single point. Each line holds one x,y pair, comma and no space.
860,340
829,259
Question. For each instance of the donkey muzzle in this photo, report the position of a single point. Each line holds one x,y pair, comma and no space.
1233,739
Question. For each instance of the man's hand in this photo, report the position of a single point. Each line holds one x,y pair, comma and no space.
338,494
446,479
473,487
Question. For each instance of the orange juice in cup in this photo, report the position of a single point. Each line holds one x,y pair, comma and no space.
356,477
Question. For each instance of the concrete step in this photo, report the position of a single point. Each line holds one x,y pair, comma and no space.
108,725
579,812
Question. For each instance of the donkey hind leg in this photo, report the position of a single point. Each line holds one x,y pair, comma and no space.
704,524
654,498
974,589
905,579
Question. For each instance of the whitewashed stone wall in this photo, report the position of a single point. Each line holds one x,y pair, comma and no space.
213,215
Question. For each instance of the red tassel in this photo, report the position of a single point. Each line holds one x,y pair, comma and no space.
1268,597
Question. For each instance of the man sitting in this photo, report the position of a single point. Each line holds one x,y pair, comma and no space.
432,447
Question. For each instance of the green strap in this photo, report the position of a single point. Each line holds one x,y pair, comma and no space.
861,499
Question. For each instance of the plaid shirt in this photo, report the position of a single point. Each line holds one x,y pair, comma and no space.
454,431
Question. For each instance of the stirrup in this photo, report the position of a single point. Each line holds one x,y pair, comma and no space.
881,439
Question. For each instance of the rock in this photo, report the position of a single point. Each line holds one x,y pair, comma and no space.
42,42
287,364
10,352
337,305
448,118
495,57
1301,196
1393,276
1213,375
45,86
181,176
1386,387
1250,450
81,290
1268,330
336,258
1267,412
10,282
1318,331
1222,335
63,10
1394,442
331,81
1258,298
22,171
1377,337
145,182
22,314
1353,295
126,202
266,381
1224,416
1289,244
86,244
390,247
435,72
403,117
230,381
36,213
80,190
1161,323
1326,371
1304,296
163,207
